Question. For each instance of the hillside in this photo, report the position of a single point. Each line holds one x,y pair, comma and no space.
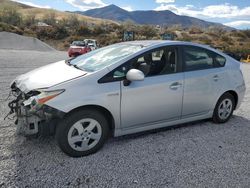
40,13
62,28
166,18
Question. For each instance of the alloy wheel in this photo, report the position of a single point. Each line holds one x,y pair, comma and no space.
225,109
84,134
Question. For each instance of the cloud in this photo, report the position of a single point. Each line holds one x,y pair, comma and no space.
240,23
32,4
226,11
127,8
86,4
212,11
165,1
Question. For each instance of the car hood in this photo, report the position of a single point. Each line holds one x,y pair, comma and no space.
47,76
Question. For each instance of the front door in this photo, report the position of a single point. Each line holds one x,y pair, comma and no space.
158,98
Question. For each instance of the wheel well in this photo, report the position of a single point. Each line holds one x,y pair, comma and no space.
235,95
104,111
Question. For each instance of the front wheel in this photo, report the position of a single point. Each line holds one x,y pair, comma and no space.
82,133
224,108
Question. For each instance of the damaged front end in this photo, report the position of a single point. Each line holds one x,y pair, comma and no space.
33,116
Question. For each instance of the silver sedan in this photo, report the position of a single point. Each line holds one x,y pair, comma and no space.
126,88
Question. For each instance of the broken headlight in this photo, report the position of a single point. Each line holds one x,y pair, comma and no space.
43,97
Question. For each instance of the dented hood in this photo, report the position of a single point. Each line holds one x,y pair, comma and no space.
47,76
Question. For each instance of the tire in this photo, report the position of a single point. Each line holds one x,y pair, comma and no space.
82,133
224,108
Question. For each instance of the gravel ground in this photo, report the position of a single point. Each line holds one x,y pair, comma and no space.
198,154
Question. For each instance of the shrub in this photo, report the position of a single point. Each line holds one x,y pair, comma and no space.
57,32
186,37
9,14
148,31
50,18
239,34
225,38
83,30
205,40
98,30
73,22
195,30
10,28
29,20
247,32
60,32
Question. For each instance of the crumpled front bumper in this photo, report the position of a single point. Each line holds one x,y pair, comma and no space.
31,118
27,123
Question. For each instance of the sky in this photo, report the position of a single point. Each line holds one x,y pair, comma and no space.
234,13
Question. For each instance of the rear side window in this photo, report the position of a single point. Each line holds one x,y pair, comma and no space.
196,58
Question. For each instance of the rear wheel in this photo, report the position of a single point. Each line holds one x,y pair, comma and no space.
82,133
224,108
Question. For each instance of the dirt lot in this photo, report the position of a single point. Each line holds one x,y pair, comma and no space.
196,155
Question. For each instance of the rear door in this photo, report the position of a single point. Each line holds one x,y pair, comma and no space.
204,78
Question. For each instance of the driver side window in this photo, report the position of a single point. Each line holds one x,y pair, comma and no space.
157,62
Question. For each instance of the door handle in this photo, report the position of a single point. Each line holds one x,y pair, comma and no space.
175,85
216,78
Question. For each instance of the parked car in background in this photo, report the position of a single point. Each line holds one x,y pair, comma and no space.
91,43
78,48
126,88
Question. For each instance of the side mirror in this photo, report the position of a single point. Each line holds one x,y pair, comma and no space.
135,75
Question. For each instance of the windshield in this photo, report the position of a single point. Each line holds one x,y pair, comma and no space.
78,43
103,57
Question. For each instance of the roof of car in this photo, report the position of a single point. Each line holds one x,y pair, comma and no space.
148,43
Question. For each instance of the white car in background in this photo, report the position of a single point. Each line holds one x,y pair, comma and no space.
126,88
91,43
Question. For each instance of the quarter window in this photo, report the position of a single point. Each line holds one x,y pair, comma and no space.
219,60
196,58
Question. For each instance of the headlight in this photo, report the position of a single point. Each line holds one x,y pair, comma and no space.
45,96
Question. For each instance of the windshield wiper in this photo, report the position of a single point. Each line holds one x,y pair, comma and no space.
77,67
67,61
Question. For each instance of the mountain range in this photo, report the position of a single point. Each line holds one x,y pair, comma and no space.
165,18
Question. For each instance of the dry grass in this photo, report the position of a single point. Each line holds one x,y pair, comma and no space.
59,15
40,13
